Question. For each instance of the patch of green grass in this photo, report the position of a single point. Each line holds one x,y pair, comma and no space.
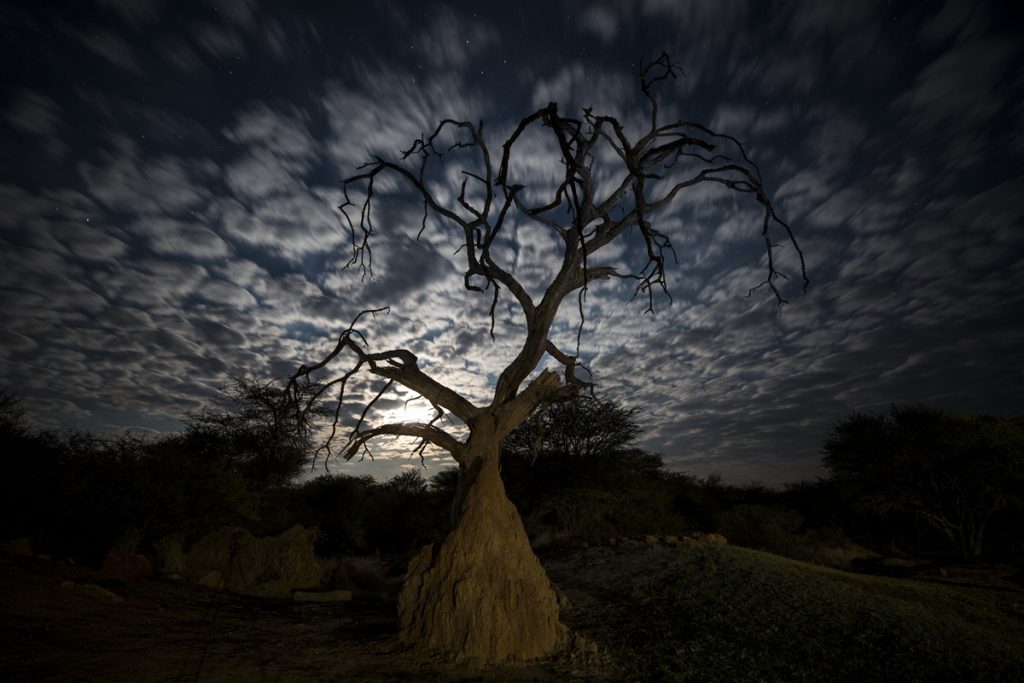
734,614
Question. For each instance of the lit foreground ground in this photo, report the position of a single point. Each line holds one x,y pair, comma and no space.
695,613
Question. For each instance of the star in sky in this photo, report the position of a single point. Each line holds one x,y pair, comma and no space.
171,171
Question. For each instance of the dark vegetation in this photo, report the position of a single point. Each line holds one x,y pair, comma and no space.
915,481
701,612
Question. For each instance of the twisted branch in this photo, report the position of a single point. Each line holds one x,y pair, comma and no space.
488,199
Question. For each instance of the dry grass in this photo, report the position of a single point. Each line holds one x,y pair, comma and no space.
710,613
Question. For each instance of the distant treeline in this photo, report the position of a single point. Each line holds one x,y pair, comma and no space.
915,480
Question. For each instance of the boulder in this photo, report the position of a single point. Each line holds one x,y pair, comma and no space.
126,566
100,592
709,539
266,566
671,540
212,579
18,546
650,540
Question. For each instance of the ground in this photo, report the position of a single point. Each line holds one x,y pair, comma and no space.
661,613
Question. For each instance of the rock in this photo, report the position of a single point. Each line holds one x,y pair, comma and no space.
213,579
18,546
613,541
170,555
67,584
650,540
709,539
322,596
126,566
45,557
100,592
174,576
271,566
671,540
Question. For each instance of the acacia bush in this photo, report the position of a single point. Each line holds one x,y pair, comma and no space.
610,493
955,474
358,515
782,531
76,494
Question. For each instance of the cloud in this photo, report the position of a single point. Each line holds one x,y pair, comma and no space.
124,181
178,238
219,42
390,109
196,232
227,293
962,20
282,132
578,85
601,21
112,48
12,343
957,97
136,12
453,41
35,114
291,225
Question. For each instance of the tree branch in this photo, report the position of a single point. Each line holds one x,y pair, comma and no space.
420,430
485,198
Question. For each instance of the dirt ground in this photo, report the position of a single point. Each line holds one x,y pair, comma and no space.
61,622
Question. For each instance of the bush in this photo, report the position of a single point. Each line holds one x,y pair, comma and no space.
954,472
783,532
76,494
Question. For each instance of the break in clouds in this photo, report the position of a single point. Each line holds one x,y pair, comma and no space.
171,180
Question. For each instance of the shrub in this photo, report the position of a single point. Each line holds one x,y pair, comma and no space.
783,532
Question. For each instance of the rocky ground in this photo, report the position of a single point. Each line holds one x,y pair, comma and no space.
696,612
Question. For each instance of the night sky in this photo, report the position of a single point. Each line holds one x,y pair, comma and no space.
171,171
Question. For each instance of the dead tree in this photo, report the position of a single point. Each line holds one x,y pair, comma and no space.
481,594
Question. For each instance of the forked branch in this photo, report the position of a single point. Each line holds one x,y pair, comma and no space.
584,216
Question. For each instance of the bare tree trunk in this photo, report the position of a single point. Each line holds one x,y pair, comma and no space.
481,595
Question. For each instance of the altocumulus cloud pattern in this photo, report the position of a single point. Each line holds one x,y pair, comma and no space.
170,175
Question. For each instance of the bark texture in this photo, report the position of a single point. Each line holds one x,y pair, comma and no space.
481,595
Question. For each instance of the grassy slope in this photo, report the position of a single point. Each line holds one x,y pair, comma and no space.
728,613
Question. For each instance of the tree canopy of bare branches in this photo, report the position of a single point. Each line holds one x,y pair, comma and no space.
501,605
585,221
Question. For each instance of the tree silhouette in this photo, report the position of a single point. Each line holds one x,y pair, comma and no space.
952,471
482,594
249,427
582,428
